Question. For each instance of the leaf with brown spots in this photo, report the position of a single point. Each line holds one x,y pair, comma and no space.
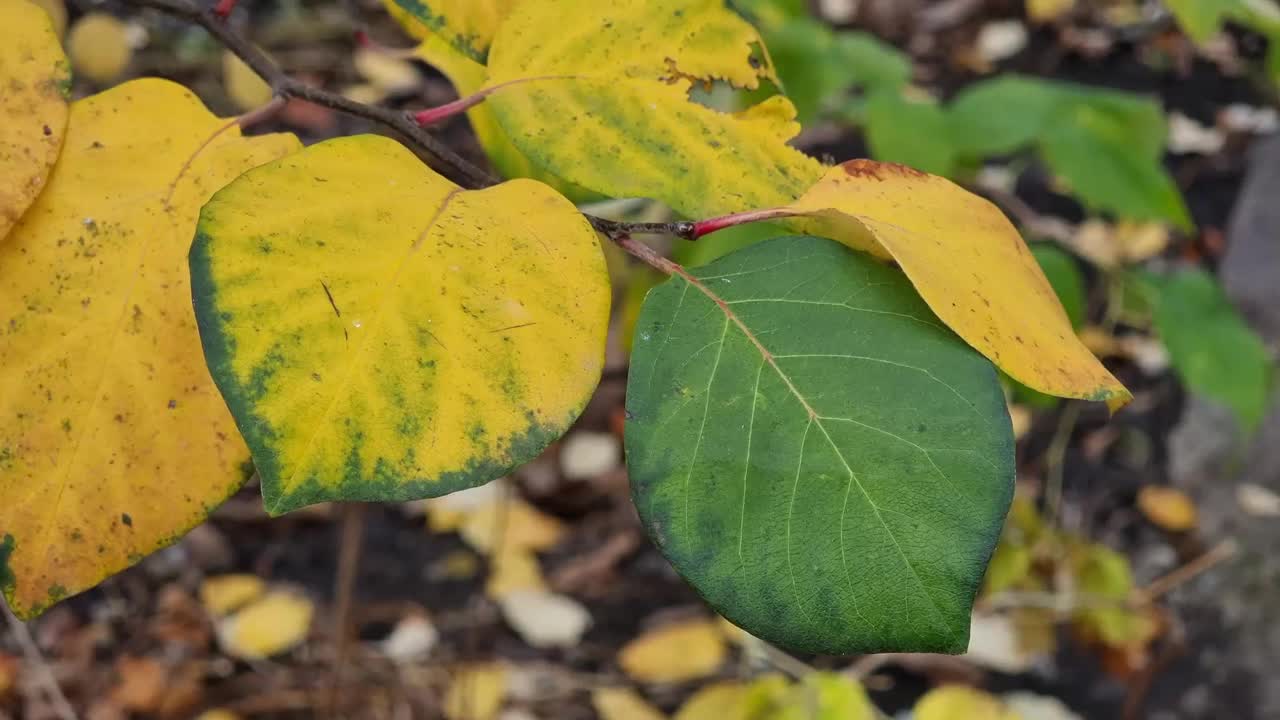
113,439
35,78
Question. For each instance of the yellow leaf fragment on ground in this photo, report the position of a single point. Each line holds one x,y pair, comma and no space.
1169,508
217,714
36,80
513,569
677,652
1045,10
476,692
243,86
224,594
99,47
9,672
958,702
513,522
545,619
381,334
272,625
717,701
448,513
617,703
969,264
105,391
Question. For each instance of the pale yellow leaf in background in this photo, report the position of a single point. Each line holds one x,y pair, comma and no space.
959,702
115,441
970,265
1168,508
1046,10
677,652
99,47
476,693
244,87
386,71
271,625
718,701
618,703
513,569
224,594
36,80
515,523
545,619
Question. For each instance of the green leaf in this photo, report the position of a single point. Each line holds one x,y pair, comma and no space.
911,132
1064,275
803,53
815,452
999,116
381,334
1214,352
875,64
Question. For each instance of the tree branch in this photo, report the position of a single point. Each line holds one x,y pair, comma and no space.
438,155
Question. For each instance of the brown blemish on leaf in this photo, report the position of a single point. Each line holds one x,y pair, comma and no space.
862,167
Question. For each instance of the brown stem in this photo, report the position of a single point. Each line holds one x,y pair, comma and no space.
349,546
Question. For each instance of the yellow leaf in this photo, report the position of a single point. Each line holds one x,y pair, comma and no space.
272,625
99,47
1168,508
468,26
476,693
115,441
598,93
468,77
33,106
57,10
717,701
386,71
957,702
1046,10
244,87
969,264
515,522
381,334
513,569
225,594
615,703
674,653
217,714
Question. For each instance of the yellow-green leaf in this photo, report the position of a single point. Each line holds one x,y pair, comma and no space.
99,47
598,93
35,78
381,334
969,264
113,441
467,25
956,702
468,77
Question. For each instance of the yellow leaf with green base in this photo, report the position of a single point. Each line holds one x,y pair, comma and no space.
966,260
598,94
114,441
381,334
36,80
466,25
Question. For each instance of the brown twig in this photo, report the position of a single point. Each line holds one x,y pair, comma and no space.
349,545
35,658
438,155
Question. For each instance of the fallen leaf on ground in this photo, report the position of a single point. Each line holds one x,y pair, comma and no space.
585,455
9,667
448,513
995,643
673,653
1257,500
272,625
99,47
141,685
514,522
958,702
224,594
411,640
513,569
1030,706
545,619
615,703
718,701
476,693
1168,508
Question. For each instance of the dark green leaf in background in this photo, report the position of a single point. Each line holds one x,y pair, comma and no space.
815,452
909,131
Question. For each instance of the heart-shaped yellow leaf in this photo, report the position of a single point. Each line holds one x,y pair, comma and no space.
598,94
970,265
382,334
113,440
35,80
